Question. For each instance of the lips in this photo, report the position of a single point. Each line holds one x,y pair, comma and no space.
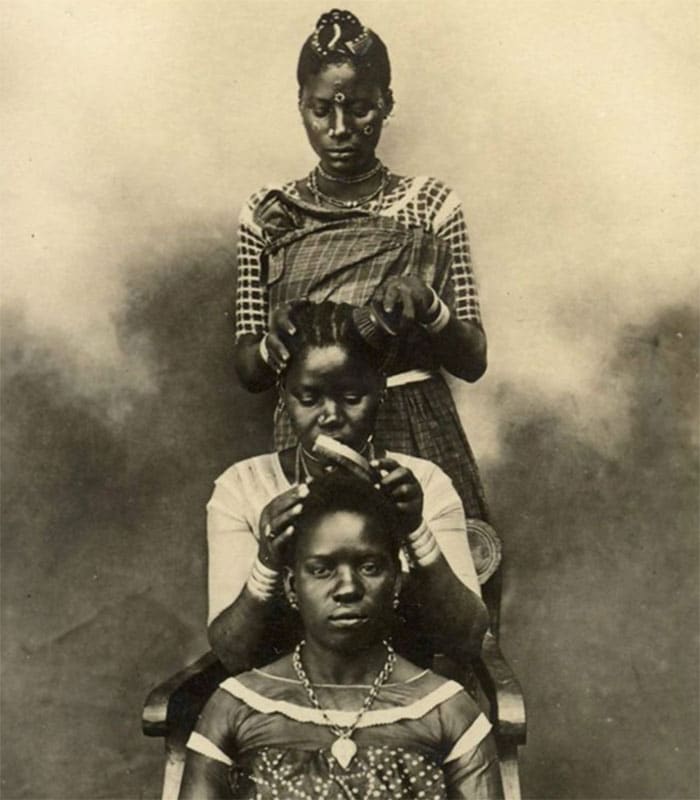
348,619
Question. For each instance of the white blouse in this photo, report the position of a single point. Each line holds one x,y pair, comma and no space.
244,489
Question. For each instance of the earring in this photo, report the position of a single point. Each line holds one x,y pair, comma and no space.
395,601
293,602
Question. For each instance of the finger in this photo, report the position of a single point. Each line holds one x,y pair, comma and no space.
277,349
281,521
287,499
282,321
408,306
387,464
390,297
285,536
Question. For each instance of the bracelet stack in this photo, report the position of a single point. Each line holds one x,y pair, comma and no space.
438,315
262,581
423,545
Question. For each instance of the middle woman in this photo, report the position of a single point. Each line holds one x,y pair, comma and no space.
333,386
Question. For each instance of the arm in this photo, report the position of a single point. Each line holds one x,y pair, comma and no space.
448,603
207,762
475,775
239,607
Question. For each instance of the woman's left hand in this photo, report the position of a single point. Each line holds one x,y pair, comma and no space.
410,294
399,484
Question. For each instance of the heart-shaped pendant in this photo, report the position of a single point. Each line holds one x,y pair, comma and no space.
343,751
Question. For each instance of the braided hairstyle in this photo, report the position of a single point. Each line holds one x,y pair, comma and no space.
340,37
339,491
327,324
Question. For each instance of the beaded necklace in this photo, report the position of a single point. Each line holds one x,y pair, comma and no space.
354,179
322,197
343,748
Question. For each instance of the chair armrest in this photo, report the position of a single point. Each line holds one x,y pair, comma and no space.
502,691
178,700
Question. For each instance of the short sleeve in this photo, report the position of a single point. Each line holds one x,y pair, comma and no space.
251,293
444,513
232,546
450,225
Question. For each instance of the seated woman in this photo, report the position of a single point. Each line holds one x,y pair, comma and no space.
334,385
343,715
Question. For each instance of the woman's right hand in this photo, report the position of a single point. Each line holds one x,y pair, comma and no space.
281,329
277,524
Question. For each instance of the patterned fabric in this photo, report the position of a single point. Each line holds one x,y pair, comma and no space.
420,202
423,738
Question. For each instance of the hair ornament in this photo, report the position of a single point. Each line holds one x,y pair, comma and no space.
334,34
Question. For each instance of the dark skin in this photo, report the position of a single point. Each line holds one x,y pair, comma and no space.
337,107
328,391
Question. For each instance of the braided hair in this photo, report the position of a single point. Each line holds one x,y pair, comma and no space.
340,37
326,324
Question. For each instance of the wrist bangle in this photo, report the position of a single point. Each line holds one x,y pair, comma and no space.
262,581
262,349
423,545
441,319
433,309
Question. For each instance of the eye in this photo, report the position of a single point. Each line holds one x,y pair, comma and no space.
321,109
372,568
307,399
353,399
319,570
361,108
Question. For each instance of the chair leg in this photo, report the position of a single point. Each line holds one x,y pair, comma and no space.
508,756
174,768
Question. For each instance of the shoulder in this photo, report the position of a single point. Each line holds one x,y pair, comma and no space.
249,478
254,200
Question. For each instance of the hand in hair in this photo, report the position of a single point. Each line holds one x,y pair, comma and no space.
277,524
399,484
281,328
409,294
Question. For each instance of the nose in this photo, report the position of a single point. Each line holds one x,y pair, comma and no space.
329,417
339,127
348,587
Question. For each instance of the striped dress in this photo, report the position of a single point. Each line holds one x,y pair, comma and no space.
417,418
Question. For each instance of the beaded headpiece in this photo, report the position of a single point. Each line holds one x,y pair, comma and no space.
340,32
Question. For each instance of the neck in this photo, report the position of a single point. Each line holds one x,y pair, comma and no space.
323,665
354,186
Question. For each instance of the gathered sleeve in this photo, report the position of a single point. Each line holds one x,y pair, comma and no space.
232,545
449,224
444,514
471,765
252,305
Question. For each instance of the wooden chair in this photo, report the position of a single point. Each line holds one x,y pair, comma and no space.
172,708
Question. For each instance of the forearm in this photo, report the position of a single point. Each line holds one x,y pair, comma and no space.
461,348
235,634
252,370
457,616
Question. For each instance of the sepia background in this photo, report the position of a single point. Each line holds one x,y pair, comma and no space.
133,131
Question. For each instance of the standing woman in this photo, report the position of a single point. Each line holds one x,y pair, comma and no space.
353,231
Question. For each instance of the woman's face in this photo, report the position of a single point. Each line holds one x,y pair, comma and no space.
327,391
344,577
343,117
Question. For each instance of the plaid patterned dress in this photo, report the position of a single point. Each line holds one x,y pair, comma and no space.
290,248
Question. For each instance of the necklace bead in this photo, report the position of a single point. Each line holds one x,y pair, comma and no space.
378,167
322,197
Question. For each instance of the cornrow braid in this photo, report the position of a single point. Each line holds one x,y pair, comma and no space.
326,324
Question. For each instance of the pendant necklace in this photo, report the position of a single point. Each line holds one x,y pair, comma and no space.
344,748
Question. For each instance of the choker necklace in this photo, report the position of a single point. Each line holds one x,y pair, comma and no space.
343,748
322,197
302,454
352,179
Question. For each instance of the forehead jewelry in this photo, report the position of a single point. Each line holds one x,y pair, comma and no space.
339,97
343,748
368,130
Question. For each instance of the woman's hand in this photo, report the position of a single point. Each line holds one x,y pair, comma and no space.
277,524
281,329
409,294
399,484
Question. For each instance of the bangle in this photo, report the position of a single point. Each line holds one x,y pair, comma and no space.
433,309
262,581
262,349
423,545
441,318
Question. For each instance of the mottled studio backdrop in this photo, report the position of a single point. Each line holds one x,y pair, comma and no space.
132,132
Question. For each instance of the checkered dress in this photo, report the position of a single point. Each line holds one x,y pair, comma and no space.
290,249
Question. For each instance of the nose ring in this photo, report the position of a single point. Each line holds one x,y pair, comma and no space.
331,131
